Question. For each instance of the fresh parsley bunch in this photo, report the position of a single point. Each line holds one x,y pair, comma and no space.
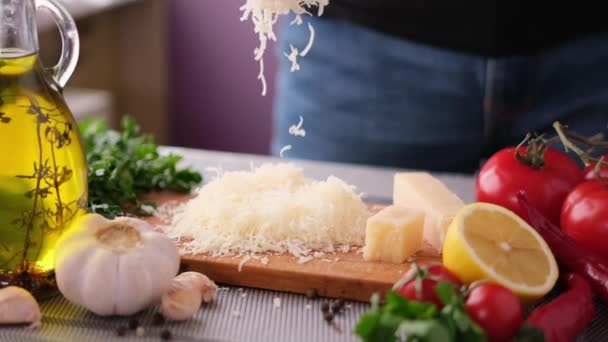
125,164
402,320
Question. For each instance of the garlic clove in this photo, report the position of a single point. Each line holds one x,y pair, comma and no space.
198,280
180,304
18,306
188,291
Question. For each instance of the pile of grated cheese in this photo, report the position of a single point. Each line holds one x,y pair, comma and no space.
265,13
272,208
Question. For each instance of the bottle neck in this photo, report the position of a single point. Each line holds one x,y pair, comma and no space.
18,31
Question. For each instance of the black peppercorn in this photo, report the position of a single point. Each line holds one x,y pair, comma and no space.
158,319
325,307
121,331
337,306
165,335
133,324
328,316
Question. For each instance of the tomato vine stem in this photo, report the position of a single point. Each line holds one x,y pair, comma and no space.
535,152
594,142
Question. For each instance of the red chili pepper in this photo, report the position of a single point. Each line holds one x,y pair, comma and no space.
567,316
586,263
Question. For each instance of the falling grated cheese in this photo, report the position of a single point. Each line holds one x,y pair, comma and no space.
265,13
297,130
293,58
274,208
276,302
283,150
262,78
310,41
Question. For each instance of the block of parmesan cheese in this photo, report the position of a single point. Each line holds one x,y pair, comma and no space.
393,234
420,190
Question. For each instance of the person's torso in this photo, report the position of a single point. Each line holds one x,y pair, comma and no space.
490,28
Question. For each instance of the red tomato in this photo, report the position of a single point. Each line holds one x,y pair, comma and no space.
429,275
585,216
589,172
503,176
497,310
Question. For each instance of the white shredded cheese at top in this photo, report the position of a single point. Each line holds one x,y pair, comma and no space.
265,13
273,209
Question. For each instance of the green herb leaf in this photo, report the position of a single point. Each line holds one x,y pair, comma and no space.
404,320
446,293
367,326
125,164
423,330
403,308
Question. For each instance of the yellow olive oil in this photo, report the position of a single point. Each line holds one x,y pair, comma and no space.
43,179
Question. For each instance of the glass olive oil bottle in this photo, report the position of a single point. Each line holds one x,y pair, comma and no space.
43,184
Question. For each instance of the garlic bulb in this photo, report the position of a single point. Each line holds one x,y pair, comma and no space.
114,267
18,306
188,291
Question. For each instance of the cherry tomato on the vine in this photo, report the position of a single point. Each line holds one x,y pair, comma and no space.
584,216
420,281
589,173
497,310
546,179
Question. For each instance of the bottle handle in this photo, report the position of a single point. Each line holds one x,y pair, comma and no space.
70,40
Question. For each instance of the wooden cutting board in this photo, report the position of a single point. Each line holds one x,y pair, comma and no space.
339,275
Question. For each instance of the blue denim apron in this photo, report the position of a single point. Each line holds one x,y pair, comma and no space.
370,98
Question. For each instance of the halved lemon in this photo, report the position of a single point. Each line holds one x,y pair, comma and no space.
489,242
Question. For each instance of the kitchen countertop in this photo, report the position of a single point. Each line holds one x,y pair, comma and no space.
249,314
82,8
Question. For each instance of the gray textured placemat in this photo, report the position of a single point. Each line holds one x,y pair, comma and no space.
238,315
